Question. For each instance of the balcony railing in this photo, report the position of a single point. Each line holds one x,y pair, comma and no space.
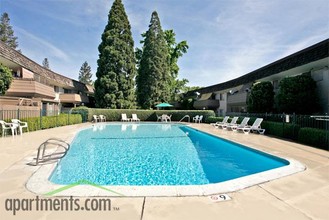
237,98
206,104
30,88
73,98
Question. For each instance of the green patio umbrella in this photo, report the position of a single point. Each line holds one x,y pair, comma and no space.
164,104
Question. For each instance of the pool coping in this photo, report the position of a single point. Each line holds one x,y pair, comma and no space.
38,183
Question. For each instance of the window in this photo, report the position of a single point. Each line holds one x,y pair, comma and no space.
67,91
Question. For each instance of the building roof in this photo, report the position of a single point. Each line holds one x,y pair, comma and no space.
18,58
313,53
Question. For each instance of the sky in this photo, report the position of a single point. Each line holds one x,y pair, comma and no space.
226,38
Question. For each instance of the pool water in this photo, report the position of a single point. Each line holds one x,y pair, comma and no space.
156,154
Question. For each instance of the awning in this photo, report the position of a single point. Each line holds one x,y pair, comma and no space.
205,96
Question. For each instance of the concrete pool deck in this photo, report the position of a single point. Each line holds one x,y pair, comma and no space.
303,195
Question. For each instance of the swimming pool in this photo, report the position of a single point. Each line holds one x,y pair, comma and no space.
157,154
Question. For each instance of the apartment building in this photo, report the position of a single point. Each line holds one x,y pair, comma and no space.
231,96
36,86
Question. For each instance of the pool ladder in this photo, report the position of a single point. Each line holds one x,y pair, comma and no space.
41,157
185,116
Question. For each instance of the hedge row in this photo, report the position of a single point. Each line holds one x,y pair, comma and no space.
310,136
283,130
148,115
314,137
37,123
52,121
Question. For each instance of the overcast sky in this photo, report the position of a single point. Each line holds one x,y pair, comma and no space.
227,38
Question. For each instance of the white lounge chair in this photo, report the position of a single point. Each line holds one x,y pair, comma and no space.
233,122
8,126
20,125
195,118
124,117
220,122
102,118
95,118
134,117
255,127
241,125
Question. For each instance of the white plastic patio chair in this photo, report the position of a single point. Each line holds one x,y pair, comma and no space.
95,118
195,118
134,117
124,117
255,127
8,126
20,125
225,119
164,118
233,122
102,118
241,125
200,119
169,118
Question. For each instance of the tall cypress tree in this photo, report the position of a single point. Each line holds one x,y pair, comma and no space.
114,86
6,32
154,72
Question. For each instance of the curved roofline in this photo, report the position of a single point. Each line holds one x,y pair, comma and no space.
313,53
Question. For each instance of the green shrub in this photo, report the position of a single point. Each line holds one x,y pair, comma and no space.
314,137
52,121
214,119
279,129
148,115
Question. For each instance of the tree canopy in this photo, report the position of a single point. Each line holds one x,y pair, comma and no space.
7,32
114,86
297,95
85,74
261,98
5,79
175,50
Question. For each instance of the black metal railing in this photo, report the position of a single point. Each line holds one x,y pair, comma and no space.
42,119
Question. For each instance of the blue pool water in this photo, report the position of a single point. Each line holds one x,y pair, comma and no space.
157,154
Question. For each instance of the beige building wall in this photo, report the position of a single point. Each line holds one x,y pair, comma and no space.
27,74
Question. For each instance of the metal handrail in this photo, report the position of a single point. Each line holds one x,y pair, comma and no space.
50,141
185,116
